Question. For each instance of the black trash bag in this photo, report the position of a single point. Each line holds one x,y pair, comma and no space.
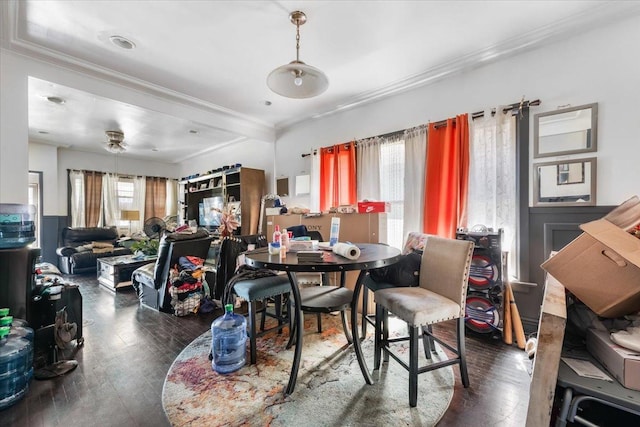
405,272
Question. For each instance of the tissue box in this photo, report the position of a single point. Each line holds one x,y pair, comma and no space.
272,211
622,363
301,245
602,266
373,207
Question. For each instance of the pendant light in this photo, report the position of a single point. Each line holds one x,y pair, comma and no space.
297,79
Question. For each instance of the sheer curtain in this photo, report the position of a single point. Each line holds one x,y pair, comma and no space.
492,178
392,186
111,212
76,198
368,169
415,154
139,200
171,205
314,184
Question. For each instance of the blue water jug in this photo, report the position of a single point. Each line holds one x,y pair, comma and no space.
16,355
228,341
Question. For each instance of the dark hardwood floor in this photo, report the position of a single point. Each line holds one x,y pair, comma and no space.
128,350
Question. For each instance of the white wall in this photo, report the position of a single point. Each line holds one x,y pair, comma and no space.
251,154
600,66
14,132
44,158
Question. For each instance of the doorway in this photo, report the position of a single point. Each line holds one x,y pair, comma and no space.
35,199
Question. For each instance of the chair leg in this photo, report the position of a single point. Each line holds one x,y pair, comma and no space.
385,333
464,375
378,338
252,332
431,341
319,317
347,331
426,342
413,366
264,314
278,309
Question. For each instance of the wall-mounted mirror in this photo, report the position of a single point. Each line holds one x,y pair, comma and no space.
565,183
566,131
282,187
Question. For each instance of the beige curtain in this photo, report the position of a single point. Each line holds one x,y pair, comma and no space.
92,197
155,197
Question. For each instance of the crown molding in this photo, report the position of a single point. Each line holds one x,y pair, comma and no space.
211,149
599,16
226,119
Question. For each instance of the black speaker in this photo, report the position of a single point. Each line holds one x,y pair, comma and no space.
486,264
484,302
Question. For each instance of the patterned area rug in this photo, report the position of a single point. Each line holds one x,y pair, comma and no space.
330,390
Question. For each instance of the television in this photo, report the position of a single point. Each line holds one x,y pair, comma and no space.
210,212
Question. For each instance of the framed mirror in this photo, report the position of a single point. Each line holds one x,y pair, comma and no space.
565,183
567,131
282,187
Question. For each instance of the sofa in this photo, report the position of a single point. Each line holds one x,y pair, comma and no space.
80,247
150,281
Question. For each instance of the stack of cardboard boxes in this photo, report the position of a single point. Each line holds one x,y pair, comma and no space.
602,269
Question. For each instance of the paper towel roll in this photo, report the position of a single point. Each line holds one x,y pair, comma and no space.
347,250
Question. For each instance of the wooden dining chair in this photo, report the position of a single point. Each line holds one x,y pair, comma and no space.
444,274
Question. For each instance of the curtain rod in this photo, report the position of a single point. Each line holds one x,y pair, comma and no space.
511,107
119,174
515,106
384,135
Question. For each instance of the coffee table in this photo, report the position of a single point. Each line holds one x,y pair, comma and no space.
115,272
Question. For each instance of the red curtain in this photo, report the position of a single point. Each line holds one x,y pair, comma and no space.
337,175
446,177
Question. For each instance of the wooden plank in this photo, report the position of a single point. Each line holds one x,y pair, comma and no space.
553,319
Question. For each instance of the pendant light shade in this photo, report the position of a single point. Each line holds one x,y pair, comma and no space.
297,79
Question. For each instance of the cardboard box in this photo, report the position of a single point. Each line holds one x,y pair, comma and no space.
602,266
622,363
272,211
374,207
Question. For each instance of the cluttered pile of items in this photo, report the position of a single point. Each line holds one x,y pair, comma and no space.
601,271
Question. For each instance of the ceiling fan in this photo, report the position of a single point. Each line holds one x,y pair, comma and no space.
115,142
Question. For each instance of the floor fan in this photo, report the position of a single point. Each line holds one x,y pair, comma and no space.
154,227
64,333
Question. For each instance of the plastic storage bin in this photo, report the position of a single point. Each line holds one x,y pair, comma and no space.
229,341
17,228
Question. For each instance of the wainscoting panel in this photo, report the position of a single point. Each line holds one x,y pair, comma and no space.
550,229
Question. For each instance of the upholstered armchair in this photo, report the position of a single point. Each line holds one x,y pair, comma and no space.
150,281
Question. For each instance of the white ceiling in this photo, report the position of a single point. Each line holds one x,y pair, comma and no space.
214,56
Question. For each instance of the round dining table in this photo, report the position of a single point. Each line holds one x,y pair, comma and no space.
372,255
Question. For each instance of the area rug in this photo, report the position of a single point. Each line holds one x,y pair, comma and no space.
330,390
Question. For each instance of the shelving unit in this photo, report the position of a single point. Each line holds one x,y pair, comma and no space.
245,186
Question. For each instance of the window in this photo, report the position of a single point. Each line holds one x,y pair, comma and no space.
392,189
124,189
